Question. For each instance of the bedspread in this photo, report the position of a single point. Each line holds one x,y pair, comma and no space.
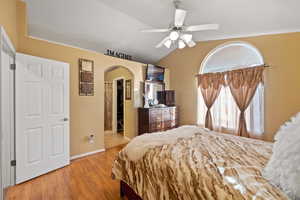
207,165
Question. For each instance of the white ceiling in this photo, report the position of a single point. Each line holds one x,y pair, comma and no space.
115,24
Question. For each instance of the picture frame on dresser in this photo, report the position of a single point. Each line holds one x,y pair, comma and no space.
151,89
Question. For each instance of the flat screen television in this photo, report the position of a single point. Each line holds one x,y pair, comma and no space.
155,73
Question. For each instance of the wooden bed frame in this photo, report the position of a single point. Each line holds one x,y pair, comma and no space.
126,191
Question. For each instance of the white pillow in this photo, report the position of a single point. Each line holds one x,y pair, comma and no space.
283,169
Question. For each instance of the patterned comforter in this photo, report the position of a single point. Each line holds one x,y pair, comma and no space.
206,166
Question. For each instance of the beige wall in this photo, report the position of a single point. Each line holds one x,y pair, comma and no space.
130,112
86,113
8,19
282,97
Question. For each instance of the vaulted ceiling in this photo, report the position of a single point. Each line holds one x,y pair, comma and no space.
115,24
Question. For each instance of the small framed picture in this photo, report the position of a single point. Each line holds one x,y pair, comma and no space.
86,89
86,65
128,90
86,77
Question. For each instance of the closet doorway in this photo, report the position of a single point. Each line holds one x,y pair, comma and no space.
118,118
120,105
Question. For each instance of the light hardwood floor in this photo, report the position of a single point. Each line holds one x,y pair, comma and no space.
114,139
87,178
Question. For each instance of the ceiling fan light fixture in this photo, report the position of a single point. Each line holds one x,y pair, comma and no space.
191,43
187,37
174,35
179,34
168,43
181,44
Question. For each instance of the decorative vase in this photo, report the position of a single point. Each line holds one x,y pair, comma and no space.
146,105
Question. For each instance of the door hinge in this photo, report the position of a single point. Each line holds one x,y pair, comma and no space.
13,163
13,66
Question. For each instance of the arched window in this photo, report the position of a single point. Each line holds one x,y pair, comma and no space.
225,113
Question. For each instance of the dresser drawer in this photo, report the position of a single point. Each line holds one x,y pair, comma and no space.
166,115
157,119
155,127
155,116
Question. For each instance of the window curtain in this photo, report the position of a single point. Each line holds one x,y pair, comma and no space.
210,85
108,105
225,113
243,84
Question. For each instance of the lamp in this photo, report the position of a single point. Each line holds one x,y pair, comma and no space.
181,44
168,43
187,37
174,35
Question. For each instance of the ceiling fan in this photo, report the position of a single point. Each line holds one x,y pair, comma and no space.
179,33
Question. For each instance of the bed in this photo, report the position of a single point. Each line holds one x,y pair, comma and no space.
193,163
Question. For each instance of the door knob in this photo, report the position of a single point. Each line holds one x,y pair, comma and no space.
65,119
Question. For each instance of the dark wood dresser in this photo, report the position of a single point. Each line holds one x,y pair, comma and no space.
157,119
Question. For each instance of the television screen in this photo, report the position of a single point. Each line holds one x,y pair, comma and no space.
155,73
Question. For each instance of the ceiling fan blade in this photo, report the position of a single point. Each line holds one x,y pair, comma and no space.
179,17
202,27
156,30
163,42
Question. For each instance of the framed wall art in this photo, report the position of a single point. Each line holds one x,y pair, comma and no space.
86,77
128,91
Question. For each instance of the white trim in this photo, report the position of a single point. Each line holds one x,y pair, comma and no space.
7,45
87,154
127,138
220,48
114,111
228,44
108,132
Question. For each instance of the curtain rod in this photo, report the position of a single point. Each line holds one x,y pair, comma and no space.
264,65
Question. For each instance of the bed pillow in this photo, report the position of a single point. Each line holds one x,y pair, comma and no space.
283,169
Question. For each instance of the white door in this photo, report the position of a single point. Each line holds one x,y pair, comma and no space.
42,116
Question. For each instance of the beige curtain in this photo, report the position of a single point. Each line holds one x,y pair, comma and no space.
108,106
243,83
210,85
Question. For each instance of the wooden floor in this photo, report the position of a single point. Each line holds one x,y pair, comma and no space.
84,179
114,139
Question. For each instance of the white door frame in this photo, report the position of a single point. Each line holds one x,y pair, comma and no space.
7,46
114,111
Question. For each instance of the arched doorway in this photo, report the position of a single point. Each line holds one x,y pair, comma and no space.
118,119
226,57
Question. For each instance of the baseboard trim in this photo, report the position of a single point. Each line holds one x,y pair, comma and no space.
86,154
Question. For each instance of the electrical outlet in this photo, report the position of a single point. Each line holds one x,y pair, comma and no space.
91,138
